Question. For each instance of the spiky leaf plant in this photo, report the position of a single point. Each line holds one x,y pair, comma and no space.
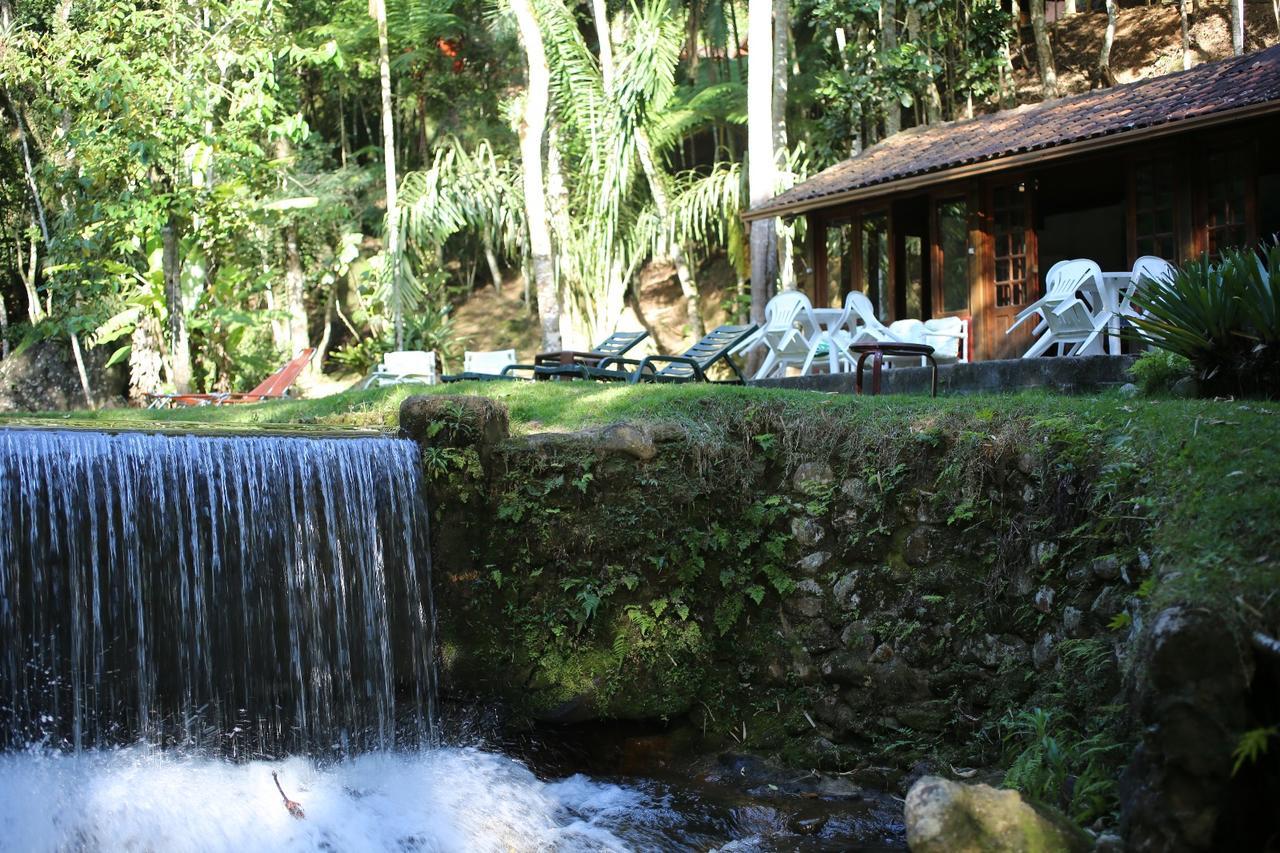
1224,317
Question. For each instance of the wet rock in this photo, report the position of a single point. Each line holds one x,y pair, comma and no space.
811,564
1023,583
1078,576
843,592
1072,620
847,668
928,716
806,601
1108,603
1128,389
951,817
858,638
1186,387
454,420
857,491
1044,599
1043,552
1107,568
847,521
832,712
882,654
1027,463
807,532
629,439
811,475
992,651
919,546
1108,842
808,825
1042,653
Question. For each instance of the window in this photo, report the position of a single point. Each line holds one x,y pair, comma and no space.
1154,203
953,243
1226,223
1009,232
875,263
914,251
839,262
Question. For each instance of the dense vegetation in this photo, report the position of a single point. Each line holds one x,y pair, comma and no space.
200,186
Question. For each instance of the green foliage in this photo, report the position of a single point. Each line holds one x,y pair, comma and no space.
1223,316
1156,370
1252,746
1056,765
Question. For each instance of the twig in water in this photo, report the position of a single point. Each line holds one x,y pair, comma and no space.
295,809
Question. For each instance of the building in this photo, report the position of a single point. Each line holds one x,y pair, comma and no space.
962,218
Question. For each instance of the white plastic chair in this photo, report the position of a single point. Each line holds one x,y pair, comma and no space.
949,337
487,361
404,366
1148,271
1070,322
790,332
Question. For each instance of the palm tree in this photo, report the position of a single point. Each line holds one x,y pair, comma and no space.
762,168
533,125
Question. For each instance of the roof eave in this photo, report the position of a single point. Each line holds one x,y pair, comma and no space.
1009,161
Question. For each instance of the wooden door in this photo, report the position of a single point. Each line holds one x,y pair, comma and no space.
1012,280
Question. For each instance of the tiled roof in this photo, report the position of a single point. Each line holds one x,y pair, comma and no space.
1216,87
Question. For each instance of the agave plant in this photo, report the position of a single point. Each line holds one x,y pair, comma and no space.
1224,317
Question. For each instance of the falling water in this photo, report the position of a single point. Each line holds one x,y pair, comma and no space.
249,596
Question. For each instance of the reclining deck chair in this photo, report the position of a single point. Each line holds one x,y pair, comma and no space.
615,345
274,387
691,366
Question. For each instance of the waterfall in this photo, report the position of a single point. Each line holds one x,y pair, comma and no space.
247,596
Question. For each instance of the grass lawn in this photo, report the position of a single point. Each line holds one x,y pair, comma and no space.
1208,470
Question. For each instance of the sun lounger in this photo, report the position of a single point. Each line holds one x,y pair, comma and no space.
274,387
690,366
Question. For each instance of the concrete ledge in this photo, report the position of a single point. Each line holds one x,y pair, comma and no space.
1070,375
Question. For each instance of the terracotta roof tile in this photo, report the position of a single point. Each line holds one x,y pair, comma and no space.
1215,87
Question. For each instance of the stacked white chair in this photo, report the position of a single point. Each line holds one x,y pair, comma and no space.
790,332
1069,321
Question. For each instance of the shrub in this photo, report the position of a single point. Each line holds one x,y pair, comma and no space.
1157,370
1223,317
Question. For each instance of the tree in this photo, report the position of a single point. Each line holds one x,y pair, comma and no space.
1237,27
889,48
392,271
533,125
762,167
1105,77
1044,51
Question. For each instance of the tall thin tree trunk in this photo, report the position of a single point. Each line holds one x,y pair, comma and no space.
295,305
4,329
1237,27
344,144
491,258
378,9
1069,8
1105,77
532,127
762,172
1186,32
842,44
778,108
179,345
326,336
1044,51
1275,10
931,97
891,105
146,357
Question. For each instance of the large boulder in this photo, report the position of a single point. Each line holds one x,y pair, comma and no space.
951,817
454,420
43,378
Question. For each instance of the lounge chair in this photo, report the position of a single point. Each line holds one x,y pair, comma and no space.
690,366
274,387
403,366
615,345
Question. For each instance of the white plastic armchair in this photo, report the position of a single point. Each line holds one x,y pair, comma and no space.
1052,283
491,361
1070,322
1148,271
404,366
861,310
949,337
790,332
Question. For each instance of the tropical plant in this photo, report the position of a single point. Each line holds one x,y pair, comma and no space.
1054,764
1223,316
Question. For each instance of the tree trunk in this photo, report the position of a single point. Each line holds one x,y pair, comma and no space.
295,305
1069,7
146,358
762,173
491,258
891,105
1186,33
4,329
842,44
179,346
1105,77
931,97
1044,51
533,124
782,180
1237,27
378,8
1275,10
326,336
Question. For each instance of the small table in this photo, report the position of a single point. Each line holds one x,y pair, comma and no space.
877,350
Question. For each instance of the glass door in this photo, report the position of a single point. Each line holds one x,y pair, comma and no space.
1014,282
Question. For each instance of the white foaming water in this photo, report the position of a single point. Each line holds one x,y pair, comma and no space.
451,799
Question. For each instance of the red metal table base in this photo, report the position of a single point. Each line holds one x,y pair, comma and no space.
877,352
